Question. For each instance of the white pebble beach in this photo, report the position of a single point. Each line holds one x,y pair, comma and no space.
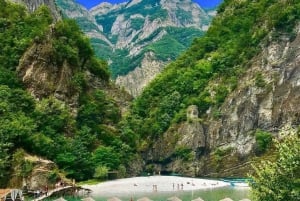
149,184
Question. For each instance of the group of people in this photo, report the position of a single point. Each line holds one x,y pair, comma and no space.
155,188
179,186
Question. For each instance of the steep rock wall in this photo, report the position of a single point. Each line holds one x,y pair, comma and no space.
266,98
135,81
268,107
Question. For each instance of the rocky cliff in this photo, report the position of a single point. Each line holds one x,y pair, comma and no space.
135,81
44,76
34,173
127,34
266,99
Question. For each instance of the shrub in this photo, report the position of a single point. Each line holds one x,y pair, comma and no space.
184,153
279,180
259,80
263,141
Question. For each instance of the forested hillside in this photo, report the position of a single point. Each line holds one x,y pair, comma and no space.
56,98
216,74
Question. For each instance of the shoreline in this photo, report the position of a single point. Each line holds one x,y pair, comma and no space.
150,184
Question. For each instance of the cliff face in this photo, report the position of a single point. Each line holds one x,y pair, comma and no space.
139,37
267,106
32,5
43,76
39,173
135,81
266,99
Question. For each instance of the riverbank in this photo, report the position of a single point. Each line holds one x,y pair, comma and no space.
138,185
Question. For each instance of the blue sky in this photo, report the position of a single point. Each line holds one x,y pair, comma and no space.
91,3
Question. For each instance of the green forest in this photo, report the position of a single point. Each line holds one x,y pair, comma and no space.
77,144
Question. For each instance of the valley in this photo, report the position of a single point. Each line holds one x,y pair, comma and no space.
221,105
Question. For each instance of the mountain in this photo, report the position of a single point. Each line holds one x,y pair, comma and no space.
139,37
218,107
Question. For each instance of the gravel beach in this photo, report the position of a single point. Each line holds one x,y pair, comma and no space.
138,185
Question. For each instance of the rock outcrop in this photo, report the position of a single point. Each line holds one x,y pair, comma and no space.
44,77
35,173
192,131
188,136
135,81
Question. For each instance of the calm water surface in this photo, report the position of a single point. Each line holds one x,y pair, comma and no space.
215,194
160,188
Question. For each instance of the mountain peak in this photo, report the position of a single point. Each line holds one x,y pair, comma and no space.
105,7
133,2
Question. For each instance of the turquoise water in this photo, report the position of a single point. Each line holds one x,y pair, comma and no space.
207,195
160,188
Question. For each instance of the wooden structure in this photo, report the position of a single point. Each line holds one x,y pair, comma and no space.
11,195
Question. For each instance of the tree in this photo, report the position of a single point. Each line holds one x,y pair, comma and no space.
106,156
279,180
101,172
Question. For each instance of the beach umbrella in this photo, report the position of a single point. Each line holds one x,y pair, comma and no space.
114,199
144,199
60,199
198,199
174,198
88,199
226,199
245,199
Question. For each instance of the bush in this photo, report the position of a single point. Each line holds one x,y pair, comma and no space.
263,141
279,180
99,68
259,80
183,153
